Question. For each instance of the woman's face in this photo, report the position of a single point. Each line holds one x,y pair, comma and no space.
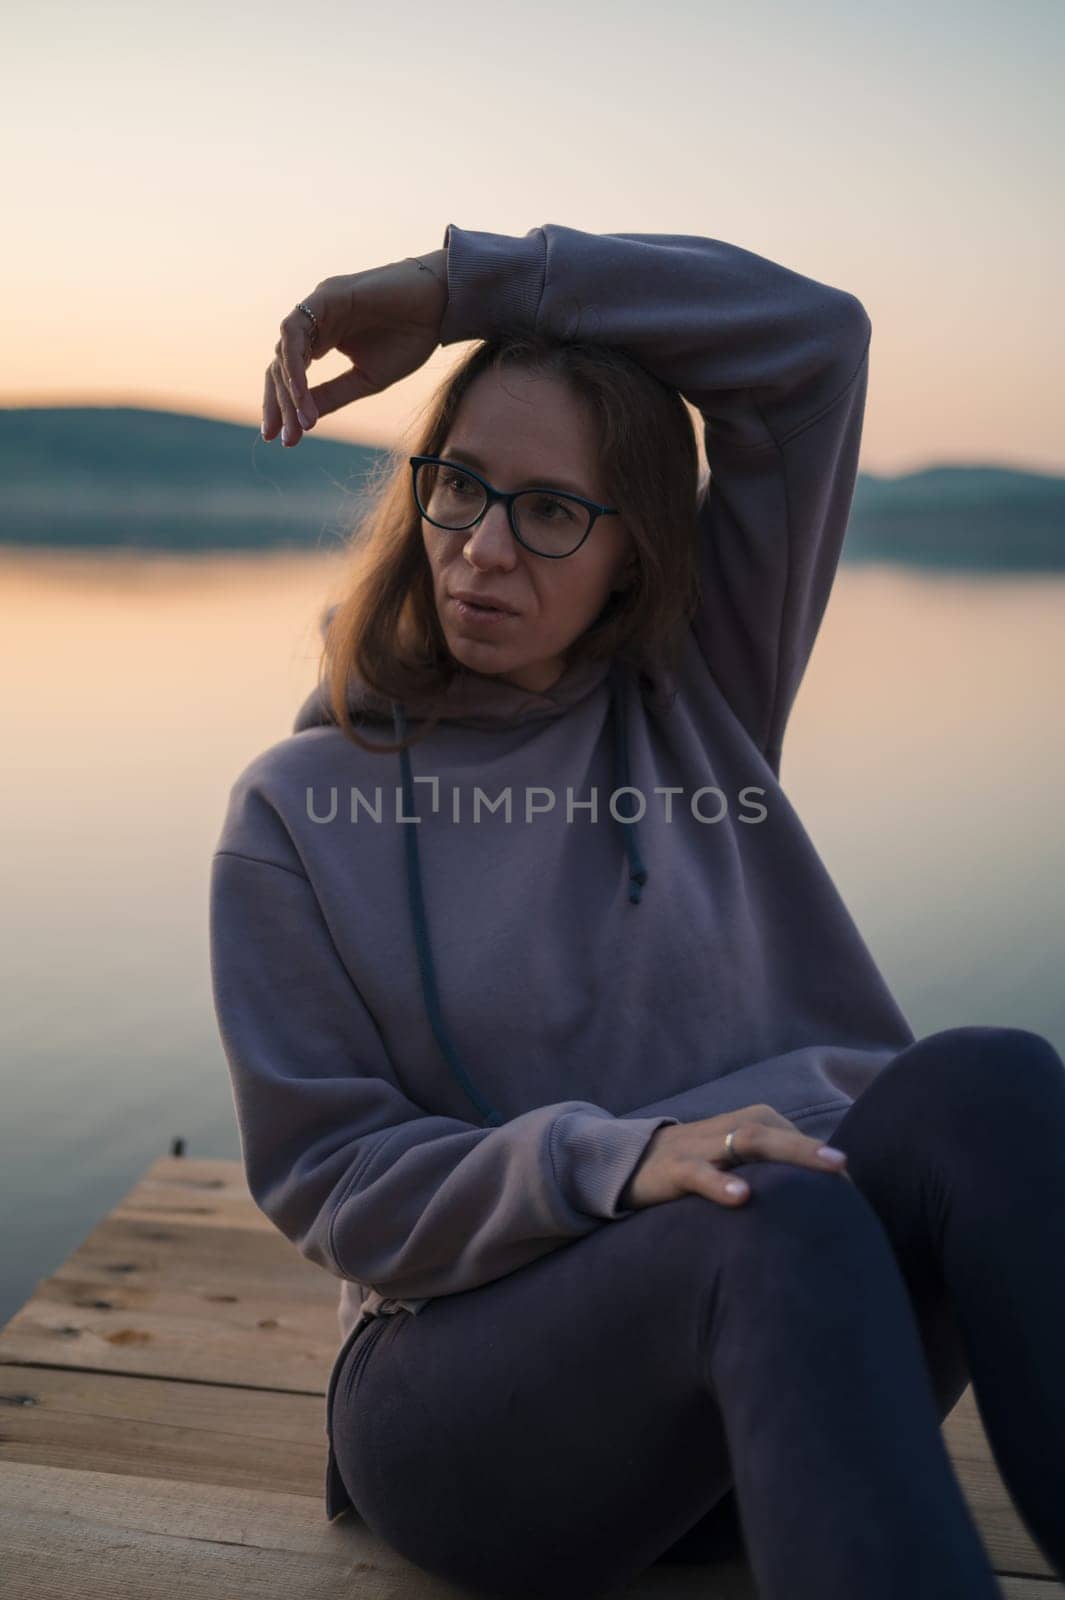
520,430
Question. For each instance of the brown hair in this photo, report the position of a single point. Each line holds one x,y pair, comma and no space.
386,625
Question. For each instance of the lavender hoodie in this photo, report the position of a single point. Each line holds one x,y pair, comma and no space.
451,1039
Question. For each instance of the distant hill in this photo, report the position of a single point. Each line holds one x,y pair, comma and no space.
991,518
105,476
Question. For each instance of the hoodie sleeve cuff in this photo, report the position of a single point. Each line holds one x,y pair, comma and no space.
595,1155
494,282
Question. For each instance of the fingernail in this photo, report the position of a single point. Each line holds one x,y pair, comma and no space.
735,1186
304,420
286,434
828,1153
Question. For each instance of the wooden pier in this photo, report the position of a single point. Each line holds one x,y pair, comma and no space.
162,1425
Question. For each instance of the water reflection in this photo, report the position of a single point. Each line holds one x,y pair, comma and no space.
926,755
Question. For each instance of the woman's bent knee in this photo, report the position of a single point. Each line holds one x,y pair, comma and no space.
989,1069
791,1212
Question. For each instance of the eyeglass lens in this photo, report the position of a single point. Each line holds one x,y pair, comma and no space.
549,523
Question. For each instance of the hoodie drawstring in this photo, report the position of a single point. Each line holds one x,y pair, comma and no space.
619,700
637,878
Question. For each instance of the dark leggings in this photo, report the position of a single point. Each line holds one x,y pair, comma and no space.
777,1372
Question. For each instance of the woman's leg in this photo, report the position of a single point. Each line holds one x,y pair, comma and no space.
555,1431
547,1433
960,1146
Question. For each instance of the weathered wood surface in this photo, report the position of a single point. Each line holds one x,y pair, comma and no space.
162,1415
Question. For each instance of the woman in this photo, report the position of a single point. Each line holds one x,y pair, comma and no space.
517,936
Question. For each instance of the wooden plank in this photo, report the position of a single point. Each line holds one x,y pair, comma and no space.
203,1193
204,1433
90,1535
103,1536
99,1536
171,1284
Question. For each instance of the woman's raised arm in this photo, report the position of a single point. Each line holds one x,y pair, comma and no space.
776,364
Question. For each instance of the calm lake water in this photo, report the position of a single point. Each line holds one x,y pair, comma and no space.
926,755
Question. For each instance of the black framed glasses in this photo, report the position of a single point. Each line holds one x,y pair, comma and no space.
549,522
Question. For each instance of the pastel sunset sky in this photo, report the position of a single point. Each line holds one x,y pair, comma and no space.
177,177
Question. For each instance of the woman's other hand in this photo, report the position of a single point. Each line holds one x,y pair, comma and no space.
690,1157
386,320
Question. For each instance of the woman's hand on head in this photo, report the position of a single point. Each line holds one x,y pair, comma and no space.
690,1157
386,320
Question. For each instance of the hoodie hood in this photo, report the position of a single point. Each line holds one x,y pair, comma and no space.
476,700
472,699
